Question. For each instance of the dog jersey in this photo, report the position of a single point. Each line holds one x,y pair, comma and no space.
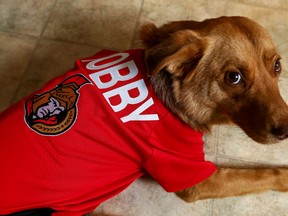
86,135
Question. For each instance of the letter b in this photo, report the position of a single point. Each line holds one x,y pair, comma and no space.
123,93
114,74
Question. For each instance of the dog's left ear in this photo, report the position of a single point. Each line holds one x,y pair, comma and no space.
178,53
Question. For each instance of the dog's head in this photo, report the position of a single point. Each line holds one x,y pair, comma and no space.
218,71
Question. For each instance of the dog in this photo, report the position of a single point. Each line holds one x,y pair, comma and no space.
70,156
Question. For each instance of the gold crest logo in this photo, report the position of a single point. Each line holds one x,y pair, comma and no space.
54,112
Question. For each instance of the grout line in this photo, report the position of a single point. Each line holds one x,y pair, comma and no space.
48,19
135,31
38,38
29,35
19,34
14,95
216,138
211,207
256,162
81,44
56,40
258,5
226,8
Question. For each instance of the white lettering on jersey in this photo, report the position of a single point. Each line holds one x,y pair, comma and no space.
115,75
122,92
126,99
135,115
92,65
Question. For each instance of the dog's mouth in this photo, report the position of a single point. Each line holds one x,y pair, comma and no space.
281,133
261,123
267,138
266,135
263,119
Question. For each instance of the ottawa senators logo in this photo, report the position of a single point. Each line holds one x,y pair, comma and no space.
54,112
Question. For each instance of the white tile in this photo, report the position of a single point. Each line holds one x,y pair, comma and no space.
146,198
267,203
163,11
24,16
15,54
108,24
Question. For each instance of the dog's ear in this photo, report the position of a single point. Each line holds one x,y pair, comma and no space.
178,52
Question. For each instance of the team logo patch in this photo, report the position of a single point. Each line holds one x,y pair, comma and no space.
54,112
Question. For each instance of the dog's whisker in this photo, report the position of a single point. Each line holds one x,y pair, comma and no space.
281,44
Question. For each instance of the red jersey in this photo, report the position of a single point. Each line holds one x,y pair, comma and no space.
86,135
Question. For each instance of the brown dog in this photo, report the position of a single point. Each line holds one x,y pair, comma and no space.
220,71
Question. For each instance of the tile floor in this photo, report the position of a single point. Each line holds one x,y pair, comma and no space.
40,39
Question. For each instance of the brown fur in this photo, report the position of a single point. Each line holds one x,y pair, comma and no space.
189,63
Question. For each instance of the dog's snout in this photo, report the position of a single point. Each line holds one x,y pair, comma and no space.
280,132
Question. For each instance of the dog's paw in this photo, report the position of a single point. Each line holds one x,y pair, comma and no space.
189,194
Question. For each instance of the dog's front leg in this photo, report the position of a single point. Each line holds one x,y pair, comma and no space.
227,182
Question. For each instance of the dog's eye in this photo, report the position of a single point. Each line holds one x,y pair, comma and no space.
277,65
233,78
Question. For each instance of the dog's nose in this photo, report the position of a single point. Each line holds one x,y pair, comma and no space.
280,132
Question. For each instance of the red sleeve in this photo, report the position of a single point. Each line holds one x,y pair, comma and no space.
175,173
178,160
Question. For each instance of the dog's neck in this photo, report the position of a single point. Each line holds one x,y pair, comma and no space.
162,86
